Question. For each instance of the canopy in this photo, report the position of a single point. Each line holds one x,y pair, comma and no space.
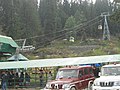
60,61
8,40
20,57
7,44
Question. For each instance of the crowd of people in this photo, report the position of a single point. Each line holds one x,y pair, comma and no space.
22,79
14,79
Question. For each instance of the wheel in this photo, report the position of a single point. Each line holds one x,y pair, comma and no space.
73,88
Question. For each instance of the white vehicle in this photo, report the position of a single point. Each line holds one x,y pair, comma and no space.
109,78
27,48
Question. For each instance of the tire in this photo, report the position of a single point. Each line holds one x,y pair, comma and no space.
73,88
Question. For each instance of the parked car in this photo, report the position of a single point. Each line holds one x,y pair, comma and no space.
109,78
72,78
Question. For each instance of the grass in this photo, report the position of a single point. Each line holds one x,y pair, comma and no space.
59,49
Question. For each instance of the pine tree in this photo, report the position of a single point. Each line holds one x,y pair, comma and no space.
6,19
66,8
70,23
47,10
80,17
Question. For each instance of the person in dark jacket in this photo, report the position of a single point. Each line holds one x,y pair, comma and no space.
16,79
96,71
41,78
4,80
21,79
27,79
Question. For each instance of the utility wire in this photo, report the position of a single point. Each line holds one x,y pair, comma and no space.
81,29
67,29
61,36
85,25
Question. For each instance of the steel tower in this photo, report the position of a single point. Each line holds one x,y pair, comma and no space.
106,32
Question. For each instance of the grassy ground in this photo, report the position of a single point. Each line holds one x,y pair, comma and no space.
63,49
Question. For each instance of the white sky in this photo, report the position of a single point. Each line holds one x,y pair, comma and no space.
70,0
92,0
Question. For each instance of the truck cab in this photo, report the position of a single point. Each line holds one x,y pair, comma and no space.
72,78
109,78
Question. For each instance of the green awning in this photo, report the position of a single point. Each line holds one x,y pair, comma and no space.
8,40
7,48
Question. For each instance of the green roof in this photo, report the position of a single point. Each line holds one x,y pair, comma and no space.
7,48
8,40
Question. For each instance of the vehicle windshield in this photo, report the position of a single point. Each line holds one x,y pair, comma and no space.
71,73
110,71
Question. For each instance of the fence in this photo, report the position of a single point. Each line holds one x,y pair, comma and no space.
29,78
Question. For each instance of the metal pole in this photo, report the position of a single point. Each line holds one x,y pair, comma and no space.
16,56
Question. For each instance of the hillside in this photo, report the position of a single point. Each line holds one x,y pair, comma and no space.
61,49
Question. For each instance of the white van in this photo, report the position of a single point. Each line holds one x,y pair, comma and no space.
109,78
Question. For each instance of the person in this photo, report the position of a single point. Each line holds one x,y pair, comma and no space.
96,71
10,78
17,79
27,79
41,78
4,80
21,79
49,76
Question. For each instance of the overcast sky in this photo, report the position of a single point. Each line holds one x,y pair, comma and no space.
70,0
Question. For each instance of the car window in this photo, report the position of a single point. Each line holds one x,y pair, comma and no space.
86,71
80,73
90,70
68,73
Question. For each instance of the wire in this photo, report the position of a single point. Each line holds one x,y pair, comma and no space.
77,28
67,29
60,36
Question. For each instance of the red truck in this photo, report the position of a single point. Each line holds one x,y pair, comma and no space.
72,78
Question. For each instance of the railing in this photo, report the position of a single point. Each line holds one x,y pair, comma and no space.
33,82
